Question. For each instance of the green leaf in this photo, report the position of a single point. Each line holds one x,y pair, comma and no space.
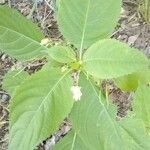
62,54
13,79
19,37
134,133
94,126
56,6
134,140
39,106
84,22
141,105
71,142
15,21
111,59
132,81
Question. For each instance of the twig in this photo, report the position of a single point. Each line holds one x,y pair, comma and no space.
4,107
51,7
1,141
2,123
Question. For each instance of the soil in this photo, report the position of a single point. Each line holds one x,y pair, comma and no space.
131,29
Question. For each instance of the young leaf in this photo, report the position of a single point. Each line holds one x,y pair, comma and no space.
87,21
132,81
62,54
95,126
19,37
39,106
13,79
141,105
111,59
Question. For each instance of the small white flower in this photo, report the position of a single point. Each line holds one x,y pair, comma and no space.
76,92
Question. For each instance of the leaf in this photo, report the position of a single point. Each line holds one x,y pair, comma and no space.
132,81
14,21
84,22
135,140
94,126
93,123
38,108
19,37
13,79
56,6
134,133
62,54
111,59
71,142
141,105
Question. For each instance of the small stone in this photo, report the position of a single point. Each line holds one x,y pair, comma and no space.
4,98
132,39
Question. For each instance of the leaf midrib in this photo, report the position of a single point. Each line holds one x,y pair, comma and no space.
24,36
84,28
135,140
45,98
113,60
116,131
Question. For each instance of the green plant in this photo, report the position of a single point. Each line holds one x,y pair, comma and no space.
41,102
144,9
